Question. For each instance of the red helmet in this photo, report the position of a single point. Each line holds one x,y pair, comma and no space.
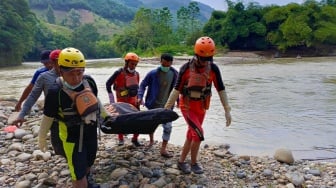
131,56
205,47
54,54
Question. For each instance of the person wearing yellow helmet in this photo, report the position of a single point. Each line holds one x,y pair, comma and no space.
193,87
125,82
73,103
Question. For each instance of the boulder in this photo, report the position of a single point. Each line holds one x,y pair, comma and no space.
284,155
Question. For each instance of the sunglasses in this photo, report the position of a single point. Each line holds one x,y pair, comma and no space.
204,58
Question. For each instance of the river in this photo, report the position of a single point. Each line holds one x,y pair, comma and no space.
285,103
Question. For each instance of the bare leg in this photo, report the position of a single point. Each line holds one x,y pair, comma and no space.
185,150
164,146
194,151
80,183
151,140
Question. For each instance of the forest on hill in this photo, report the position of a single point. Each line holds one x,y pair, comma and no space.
111,28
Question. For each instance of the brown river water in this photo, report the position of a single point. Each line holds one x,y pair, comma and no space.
279,103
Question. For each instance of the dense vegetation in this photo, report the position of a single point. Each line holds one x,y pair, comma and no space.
110,28
253,27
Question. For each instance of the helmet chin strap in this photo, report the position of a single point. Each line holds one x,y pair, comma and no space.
198,64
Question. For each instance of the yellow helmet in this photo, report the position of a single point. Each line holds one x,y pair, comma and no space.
131,56
72,58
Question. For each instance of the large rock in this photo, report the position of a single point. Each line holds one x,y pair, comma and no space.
284,155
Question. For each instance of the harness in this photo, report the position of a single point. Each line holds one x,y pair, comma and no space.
130,89
85,105
197,86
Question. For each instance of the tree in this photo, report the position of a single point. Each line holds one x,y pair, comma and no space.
16,31
148,30
163,26
239,27
73,19
106,49
50,15
189,27
85,38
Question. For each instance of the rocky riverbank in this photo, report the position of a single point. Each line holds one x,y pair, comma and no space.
23,165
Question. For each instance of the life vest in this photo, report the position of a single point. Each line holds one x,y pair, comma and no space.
197,86
85,102
130,89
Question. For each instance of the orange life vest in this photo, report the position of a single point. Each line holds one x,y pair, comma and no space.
198,82
131,86
85,101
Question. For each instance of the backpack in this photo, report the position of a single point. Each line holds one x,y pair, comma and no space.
85,101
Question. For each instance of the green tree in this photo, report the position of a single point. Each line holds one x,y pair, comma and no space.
85,38
50,15
149,29
163,21
239,27
189,27
106,49
214,27
125,42
16,31
325,26
73,19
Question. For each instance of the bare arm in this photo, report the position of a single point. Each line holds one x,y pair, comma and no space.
23,97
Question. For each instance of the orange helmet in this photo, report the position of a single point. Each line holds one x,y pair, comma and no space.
54,54
205,47
131,57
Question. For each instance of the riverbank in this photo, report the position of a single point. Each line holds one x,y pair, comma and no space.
23,165
232,57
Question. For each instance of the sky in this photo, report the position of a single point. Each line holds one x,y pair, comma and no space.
221,4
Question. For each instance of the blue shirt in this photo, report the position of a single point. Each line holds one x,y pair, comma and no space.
37,74
152,82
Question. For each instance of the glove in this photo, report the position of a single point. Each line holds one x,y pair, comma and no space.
111,97
102,110
92,117
44,129
172,98
224,100
228,118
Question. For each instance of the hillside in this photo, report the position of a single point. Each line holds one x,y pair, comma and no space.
104,26
109,16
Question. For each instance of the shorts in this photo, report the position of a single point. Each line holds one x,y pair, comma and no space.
79,162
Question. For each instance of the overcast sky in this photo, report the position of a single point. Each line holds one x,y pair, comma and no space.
221,4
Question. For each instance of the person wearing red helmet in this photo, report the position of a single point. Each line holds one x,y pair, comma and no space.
42,84
125,82
193,87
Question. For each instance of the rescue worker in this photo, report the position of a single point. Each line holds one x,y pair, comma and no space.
193,86
159,83
47,65
73,103
125,82
42,84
